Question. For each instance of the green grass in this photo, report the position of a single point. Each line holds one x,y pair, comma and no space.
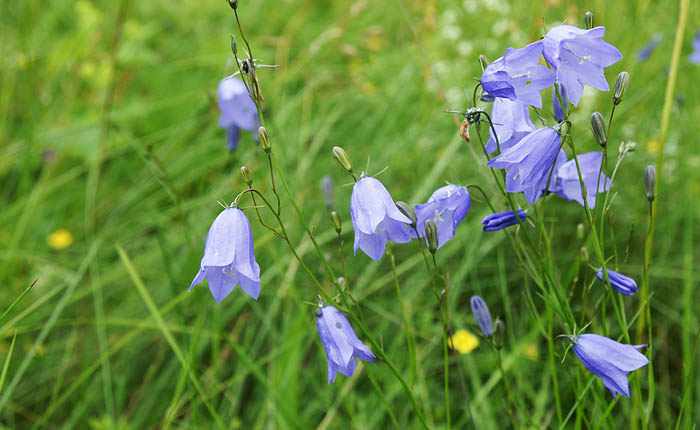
120,96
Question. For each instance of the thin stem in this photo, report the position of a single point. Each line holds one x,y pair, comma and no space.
410,340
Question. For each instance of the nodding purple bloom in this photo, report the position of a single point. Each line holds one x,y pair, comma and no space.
646,52
482,315
579,57
559,112
530,162
447,206
568,184
623,284
512,122
501,220
695,56
228,258
340,343
518,76
375,218
609,360
238,110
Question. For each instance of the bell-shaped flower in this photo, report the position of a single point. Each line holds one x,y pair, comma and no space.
340,343
501,220
228,258
609,360
568,184
238,110
518,75
447,207
512,122
695,56
579,57
530,162
375,218
481,315
621,283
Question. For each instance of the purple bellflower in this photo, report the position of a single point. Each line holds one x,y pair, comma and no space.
579,57
237,110
623,284
559,111
447,206
568,184
375,218
530,162
228,258
518,76
609,360
646,52
340,343
695,56
482,315
501,220
512,122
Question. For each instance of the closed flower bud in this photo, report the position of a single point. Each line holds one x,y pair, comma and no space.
234,47
408,211
598,127
342,158
499,334
336,221
631,146
585,256
482,315
264,139
431,235
621,84
650,182
484,62
327,189
245,172
580,231
233,4
588,20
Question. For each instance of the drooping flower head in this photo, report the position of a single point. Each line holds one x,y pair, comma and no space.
228,258
695,56
340,343
482,315
579,57
518,76
501,220
511,121
648,49
237,110
530,162
568,184
375,218
609,360
447,207
623,284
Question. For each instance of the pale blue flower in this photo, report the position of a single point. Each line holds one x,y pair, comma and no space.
482,315
568,184
447,207
237,109
512,122
695,56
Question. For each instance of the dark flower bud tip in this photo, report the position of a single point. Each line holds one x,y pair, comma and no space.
588,20
264,139
342,158
336,221
245,172
499,334
431,235
233,4
408,211
482,315
621,85
598,127
484,62
650,182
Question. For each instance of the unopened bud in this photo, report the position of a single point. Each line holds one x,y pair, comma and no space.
631,146
336,221
621,85
233,4
588,20
484,62
598,127
580,231
245,172
342,158
327,189
431,235
482,315
584,254
499,333
405,209
234,47
264,139
650,182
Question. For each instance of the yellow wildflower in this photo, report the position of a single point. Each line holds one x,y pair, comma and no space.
463,341
60,239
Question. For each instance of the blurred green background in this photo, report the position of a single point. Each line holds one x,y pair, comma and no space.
108,135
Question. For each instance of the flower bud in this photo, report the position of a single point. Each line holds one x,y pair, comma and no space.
481,315
580,231
342,158
631,146
409,212
245,172
598,127
588,20
341,283
621,84
233,4
650,182
264,139
234,47
484,62
499,334
584,254
327,189
336,221
431,235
